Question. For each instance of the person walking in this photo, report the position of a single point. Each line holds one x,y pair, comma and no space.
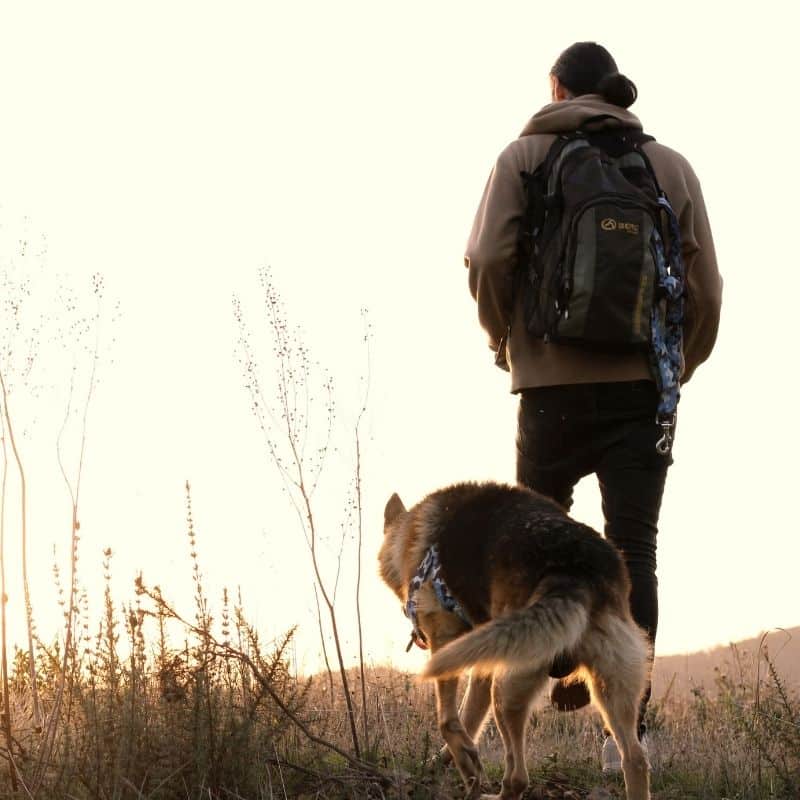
588,410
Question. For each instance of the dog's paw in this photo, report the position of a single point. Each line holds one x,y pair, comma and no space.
443,758
469,763
474,789
473,754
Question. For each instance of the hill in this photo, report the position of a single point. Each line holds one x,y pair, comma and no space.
739,660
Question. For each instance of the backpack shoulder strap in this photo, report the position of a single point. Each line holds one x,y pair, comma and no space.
638,138
538,184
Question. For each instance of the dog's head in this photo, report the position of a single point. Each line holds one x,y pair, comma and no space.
392,553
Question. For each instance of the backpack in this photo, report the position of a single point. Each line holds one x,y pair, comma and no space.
599,255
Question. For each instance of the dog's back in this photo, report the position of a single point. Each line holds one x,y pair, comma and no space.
517,562
498,543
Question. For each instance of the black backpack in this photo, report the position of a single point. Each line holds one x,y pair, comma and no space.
600,262
588,239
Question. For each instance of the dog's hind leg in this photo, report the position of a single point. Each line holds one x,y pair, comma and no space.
459,743
472,713
616,682
512,695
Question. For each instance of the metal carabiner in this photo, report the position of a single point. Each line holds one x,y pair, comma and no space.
664,444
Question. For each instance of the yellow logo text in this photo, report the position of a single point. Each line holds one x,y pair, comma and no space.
611,224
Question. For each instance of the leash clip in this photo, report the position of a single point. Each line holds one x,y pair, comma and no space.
667,424
419,640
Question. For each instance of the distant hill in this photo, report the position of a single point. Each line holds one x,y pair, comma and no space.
740,660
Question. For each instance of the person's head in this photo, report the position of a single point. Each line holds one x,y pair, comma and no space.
588,68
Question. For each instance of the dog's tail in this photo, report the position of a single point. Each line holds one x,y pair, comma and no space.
527,637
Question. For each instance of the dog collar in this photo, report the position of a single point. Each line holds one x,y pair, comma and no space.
430,569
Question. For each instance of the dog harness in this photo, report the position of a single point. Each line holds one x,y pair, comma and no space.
430,570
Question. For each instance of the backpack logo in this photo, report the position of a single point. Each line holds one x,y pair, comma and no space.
610,224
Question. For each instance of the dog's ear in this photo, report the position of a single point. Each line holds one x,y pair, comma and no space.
394,508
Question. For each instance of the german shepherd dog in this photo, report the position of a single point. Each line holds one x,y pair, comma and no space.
531,584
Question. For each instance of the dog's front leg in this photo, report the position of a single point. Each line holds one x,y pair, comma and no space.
512,694
475,705
461,746
472,713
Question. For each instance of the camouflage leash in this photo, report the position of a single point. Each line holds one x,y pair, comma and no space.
666,329
430,569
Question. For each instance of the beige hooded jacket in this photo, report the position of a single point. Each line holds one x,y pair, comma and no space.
492,252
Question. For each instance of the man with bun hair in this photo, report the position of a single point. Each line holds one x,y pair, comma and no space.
585,411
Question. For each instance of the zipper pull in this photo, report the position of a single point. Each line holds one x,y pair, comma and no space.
563,302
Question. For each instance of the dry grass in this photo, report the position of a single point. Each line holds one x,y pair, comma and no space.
150,702
221,716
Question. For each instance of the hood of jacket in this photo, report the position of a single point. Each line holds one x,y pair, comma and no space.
569,115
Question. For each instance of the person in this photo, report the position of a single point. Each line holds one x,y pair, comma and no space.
584,411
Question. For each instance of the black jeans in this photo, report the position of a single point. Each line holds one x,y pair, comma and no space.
568,432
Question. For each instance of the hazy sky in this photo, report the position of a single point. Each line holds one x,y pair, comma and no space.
178,147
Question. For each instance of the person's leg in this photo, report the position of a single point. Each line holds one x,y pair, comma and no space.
631,503
551,460
632,477
547,459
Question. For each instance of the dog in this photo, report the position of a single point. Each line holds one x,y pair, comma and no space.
499,580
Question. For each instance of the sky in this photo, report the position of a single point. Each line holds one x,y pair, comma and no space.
179,148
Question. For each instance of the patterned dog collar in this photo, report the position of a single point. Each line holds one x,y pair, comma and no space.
430,569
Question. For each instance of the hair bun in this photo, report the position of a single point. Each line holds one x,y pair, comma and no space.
618,89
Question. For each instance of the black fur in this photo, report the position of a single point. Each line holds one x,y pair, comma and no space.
488,531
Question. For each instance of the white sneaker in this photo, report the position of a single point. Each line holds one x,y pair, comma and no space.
611,759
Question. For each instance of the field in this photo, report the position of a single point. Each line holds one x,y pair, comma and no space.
128,712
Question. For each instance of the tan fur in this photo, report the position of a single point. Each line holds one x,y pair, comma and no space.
521,638
512,652
403,551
